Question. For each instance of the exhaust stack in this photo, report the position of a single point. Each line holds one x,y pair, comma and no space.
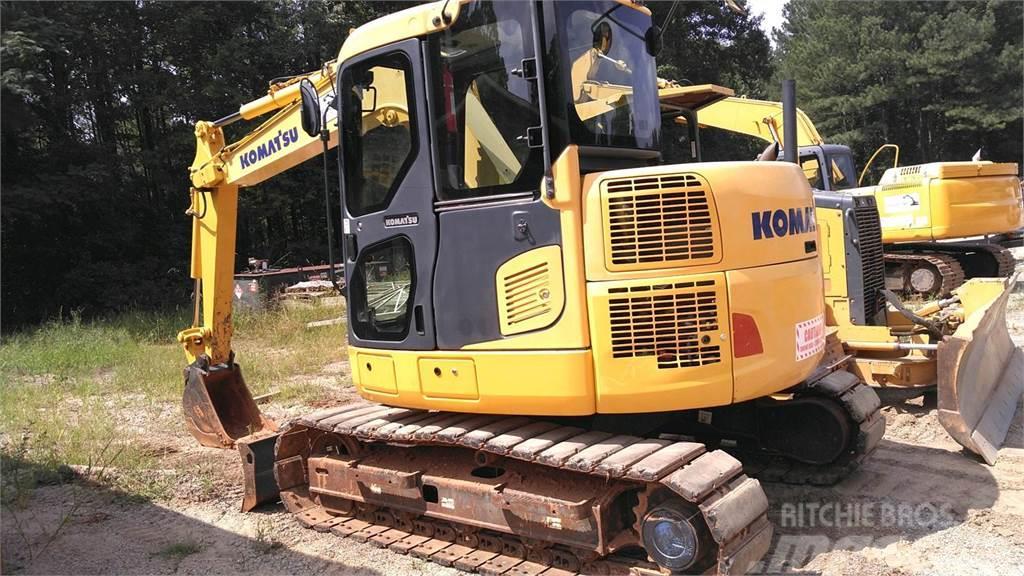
789,151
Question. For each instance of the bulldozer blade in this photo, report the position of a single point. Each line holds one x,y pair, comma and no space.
218,407
259,483
981,370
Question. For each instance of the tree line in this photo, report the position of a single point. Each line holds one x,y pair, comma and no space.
99,102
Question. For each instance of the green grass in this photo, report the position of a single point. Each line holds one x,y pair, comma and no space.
180,550
83,393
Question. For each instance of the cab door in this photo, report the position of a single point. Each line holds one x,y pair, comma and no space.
390,231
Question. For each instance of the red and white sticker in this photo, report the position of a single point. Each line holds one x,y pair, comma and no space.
810,337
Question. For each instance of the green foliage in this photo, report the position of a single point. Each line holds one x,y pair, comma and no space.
941,79
705,43
99,102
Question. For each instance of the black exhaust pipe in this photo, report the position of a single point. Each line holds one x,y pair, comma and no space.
789,151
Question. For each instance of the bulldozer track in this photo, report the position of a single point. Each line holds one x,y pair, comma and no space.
949,269
376,507
862,406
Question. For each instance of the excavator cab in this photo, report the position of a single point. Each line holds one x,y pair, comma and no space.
869,166
828,167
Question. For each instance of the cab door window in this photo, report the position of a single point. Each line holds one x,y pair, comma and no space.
381,144
382,286
486,106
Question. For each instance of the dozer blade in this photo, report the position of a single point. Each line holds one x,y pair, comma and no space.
981,370
257,454
219,409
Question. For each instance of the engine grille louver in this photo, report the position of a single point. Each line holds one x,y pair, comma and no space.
651,221
869,239
672,322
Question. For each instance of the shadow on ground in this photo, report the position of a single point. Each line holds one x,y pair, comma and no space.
902,494
79,525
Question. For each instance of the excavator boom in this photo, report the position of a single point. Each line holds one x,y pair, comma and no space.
219,408
757,118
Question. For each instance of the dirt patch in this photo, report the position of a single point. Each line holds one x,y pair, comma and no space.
211,537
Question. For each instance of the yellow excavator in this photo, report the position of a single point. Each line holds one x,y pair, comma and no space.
554,333
959,346
543,318
931,214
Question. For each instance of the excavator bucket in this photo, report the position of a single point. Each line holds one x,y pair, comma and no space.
981,370
219,409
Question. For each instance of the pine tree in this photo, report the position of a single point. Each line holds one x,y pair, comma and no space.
941,79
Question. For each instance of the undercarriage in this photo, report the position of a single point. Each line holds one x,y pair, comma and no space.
935,270
520,495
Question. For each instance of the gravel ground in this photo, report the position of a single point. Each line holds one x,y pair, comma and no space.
919,505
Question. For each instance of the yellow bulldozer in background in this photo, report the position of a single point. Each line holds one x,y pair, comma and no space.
960,345
932,215
555,333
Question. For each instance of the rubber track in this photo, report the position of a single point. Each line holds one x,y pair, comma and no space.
869,425
949,269
674,465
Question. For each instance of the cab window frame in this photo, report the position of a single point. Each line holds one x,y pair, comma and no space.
526,181
351,141
369,329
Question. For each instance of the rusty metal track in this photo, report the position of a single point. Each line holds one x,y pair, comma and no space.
863,408
368,471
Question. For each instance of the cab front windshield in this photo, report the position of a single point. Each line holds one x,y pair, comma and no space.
611,77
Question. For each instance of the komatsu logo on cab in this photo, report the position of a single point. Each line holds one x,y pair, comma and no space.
781,222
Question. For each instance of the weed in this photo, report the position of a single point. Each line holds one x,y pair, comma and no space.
264,542
180,550
94,470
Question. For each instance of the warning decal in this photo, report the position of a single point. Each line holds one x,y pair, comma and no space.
810,337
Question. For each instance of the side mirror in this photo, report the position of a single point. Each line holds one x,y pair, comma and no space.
310,108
